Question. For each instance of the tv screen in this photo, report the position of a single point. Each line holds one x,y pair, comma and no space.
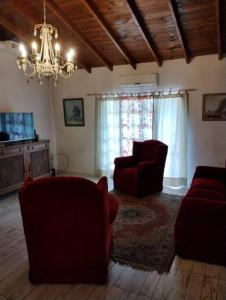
16,126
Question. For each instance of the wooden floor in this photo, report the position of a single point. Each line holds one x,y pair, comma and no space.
187,279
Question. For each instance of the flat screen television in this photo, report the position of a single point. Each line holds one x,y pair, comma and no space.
16,126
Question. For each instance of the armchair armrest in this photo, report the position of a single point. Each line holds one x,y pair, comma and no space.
211,172
124,162
147,165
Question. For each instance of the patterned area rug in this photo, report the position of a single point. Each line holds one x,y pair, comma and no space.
143,234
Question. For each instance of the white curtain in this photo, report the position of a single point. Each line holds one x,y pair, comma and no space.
107,134
120,120
169,126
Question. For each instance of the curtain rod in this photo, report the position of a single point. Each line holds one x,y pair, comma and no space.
160,92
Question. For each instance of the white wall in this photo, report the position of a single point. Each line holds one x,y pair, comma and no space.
19,96
206,140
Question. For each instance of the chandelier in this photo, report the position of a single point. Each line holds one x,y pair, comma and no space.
47,62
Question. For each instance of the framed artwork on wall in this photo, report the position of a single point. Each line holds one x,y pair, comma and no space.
214,107
74,112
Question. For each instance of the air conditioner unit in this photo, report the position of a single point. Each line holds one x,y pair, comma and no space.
9,45
139,80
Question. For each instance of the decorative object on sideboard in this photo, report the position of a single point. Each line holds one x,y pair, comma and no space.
53,172
59,163
36,136
48,62
214,107
74,112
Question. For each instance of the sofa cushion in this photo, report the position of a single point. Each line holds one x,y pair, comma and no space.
206,194
210,184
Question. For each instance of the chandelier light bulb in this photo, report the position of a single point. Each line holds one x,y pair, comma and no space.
34,47
70,55
57,49
23,50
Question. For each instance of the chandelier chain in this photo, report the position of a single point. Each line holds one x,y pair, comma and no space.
44,9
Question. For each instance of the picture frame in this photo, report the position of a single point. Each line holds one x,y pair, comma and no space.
73,112
214,107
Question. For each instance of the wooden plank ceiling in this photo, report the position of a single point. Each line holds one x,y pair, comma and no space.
117,32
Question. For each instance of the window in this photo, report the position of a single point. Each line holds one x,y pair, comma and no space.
122,119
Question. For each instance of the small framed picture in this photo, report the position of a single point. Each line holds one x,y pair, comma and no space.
214,107
74,112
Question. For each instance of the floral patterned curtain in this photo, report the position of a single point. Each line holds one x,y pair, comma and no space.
136,115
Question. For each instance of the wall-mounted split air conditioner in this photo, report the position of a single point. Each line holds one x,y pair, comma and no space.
9,46
139,81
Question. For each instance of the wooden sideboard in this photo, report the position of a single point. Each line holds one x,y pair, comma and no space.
22,159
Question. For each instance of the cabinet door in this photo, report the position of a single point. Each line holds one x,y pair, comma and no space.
39,160
11,172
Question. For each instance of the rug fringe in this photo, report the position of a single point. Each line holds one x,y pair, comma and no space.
139,267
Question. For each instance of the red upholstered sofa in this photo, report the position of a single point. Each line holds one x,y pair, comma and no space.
141,173
67,225
200,228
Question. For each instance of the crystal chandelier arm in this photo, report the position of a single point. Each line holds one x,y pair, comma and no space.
23,65
64,74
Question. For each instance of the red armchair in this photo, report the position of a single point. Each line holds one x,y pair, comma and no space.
67,226
200,228
142,173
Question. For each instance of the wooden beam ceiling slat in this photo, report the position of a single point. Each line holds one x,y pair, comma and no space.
77,32
144,30
105,26
12,28
179,28
201,25
33,20
21,8
219,33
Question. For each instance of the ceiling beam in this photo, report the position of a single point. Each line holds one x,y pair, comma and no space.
12,28
34,20
144,30
77,32
179,29
21,8
108,30
219,33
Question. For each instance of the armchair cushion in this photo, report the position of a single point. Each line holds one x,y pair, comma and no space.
124,162
216,173
206,183
148,165
206,194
